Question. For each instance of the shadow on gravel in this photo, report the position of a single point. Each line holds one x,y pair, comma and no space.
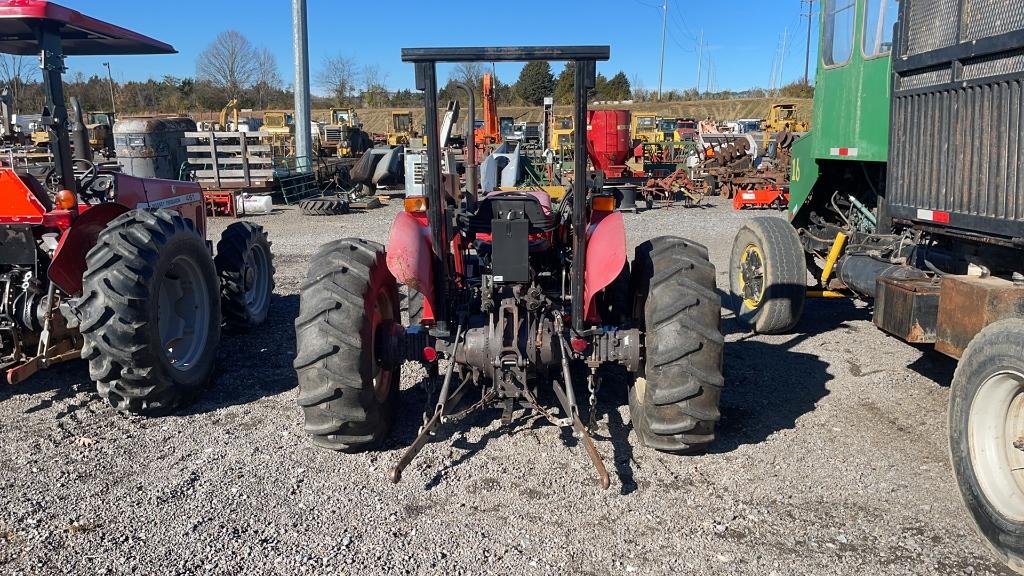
64,380
255,364
935,366
769,386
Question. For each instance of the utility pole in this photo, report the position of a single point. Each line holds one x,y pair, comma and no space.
664,29
700,58
782,56
110,83
807,56
303,130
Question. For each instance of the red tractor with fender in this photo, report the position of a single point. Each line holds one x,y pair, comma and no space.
511,288
106,266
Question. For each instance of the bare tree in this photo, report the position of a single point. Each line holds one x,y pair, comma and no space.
229,62
375,88
267,77
15,71
471,73
340,76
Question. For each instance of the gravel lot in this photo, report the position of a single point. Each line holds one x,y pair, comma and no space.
831,459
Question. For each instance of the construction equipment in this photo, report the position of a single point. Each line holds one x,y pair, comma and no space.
901,196
783,118
101,132
280,130
107,266
510,289
561,137
401,132
343,134
490,133
686,130
229,110
666,130
645,128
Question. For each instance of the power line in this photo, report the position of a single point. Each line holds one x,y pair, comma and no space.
678,20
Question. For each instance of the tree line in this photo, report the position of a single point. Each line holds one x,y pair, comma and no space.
232,67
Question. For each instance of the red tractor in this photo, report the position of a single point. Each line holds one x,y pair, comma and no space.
107,266
511,288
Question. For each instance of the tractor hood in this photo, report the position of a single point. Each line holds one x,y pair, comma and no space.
18,203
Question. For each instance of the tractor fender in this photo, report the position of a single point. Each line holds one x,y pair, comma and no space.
606,255
410,257
68,264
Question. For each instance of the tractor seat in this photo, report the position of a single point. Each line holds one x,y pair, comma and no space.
534,206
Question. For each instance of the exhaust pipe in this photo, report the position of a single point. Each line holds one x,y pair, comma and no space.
79,133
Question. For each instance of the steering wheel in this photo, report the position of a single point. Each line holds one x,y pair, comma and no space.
91,173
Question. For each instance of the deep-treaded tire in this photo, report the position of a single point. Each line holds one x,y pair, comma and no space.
674,403
986,436
150,312
415,302
347,400
245,266
768,276
324,206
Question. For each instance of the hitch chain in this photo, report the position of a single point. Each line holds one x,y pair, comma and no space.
593,385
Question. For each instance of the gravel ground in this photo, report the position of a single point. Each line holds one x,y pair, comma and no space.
831,459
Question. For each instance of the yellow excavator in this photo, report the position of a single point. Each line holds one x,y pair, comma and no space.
232,107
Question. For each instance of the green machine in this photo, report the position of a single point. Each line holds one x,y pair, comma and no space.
909,194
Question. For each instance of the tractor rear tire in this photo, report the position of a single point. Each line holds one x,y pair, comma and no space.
768,276
347,400
324,206
150,312
245,266
986,432
674,402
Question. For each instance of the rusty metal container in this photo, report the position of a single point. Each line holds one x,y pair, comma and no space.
150,147
608,141
968,304
907,308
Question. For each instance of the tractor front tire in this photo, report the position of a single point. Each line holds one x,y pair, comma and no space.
768,276
150,312
674,402
347,399
986,437
245,266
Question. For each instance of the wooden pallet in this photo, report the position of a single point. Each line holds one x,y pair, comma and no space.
231,160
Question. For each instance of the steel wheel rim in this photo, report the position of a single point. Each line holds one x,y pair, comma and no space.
383,317
256,278
751,276
995,437
183,313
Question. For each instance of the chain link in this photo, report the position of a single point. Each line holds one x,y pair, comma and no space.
593,385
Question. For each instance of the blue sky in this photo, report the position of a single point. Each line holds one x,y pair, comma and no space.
741,37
